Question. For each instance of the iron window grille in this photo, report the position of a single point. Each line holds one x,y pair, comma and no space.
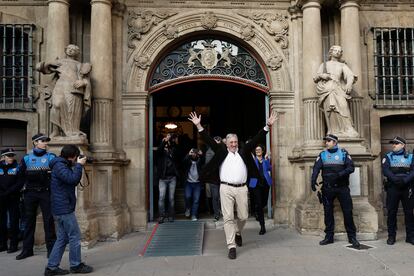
394,66
16,66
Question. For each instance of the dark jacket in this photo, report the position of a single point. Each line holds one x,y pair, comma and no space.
211,174
35,167
166,161
11,181
187,165
399,177
62,186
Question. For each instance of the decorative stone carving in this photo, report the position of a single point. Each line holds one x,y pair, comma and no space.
274,62
209,56
334,81
142,61
118,9
170,31
247,32
209,20
141,23
275,25
71,94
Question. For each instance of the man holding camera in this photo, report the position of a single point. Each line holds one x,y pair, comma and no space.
167,174
192,168
66,175
35,168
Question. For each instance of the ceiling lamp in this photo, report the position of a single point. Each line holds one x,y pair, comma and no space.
170,126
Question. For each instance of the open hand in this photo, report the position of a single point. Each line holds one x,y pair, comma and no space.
194,118
272,118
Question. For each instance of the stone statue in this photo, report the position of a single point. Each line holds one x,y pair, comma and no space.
334,81
71,94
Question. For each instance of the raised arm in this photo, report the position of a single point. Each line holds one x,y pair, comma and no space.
256,139
196,120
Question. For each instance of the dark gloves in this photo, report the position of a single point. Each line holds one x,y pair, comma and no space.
313,186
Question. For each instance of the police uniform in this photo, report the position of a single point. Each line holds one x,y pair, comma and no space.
35,168
9,201
398,168
336,165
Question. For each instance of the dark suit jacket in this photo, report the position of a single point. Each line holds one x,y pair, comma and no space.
210,173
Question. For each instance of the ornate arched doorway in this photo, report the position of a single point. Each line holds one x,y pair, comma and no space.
218,78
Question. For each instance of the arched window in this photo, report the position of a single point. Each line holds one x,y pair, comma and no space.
208,58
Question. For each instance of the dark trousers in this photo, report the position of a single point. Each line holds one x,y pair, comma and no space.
32,200
9,204
394,196
344,197
260,195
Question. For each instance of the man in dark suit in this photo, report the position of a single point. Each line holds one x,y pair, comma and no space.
232,167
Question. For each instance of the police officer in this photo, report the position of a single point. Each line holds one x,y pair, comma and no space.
398,168
35,168
336,165
9,199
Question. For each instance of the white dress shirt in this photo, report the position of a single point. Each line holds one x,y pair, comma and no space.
233,170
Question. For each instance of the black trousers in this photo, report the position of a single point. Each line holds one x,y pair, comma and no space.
260,195
9,204
344,197
32,200
394,196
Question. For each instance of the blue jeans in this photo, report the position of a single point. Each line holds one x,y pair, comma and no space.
192,190
169,182
67,232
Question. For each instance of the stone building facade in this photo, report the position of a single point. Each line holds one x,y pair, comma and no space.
127,40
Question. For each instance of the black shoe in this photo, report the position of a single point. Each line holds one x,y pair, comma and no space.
239,241
409,240
391,240
216,218
57,271
3,248
81,269
262,230
232,253
326,241
12,249
355,243
161,220
24,255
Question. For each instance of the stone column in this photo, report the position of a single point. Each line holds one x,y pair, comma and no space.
312,59
350,38
102,78
57,29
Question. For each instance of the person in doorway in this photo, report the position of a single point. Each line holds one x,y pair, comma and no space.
231,166
192,167
398,168
10,185
66,175
36,171
167,174
213,184
260,182
336,165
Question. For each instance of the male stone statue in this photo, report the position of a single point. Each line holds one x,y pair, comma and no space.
71,95
334,85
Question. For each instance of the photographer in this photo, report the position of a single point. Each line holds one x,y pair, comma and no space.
192,168
167,174
66,175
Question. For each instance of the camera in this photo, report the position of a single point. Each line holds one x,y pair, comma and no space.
88,158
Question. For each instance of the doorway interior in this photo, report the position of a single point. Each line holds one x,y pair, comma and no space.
225,107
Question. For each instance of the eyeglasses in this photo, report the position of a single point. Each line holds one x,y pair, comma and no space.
395,143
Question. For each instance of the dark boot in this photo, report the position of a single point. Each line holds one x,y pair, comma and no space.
391,240
355,243
326,240
262,229
25,254
13,248
239,240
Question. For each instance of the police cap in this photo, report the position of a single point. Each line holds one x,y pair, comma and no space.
332,137
398,140
40,136
8,152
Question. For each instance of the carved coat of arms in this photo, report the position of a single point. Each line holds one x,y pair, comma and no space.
209,57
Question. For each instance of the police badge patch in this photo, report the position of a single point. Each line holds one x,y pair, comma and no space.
383,160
